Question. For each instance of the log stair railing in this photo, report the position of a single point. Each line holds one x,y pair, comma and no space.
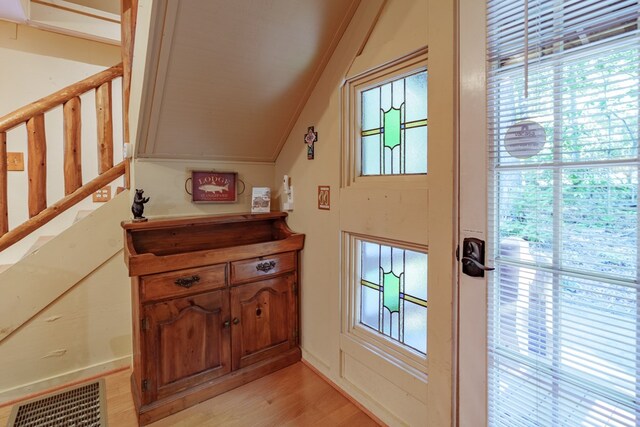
32,116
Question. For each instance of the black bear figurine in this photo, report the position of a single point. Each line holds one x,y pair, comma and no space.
137,208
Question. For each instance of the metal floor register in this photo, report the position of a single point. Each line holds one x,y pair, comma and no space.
83,405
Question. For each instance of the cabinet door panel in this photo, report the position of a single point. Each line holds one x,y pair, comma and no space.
266,314
187,341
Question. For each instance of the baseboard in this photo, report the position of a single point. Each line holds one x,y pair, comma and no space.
67,379
340,390
315,361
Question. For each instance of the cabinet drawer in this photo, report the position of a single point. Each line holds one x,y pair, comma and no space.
257,268
182,282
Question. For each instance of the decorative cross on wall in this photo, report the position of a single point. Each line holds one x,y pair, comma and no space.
310,138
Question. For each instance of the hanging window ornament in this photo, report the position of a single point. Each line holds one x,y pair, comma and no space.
524,139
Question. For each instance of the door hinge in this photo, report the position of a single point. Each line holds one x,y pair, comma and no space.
295,288
145,385
145,324
296,333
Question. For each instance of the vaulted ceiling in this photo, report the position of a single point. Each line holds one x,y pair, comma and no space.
232,76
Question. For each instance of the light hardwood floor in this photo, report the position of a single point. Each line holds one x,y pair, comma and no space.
293,396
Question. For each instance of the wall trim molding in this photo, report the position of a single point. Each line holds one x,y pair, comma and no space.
64,380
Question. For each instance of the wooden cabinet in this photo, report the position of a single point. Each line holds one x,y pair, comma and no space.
223,316
264,320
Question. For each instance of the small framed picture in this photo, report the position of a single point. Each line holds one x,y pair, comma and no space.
324,197
260,200
214,187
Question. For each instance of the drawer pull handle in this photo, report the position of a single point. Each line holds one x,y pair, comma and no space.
187,282
266,266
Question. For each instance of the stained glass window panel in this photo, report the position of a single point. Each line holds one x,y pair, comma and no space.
393,293
396,114
385,97
416,97
370,301
415,325
415,272
371,154
415,150
370,266
371,109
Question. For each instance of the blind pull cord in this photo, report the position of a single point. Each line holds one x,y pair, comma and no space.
526,49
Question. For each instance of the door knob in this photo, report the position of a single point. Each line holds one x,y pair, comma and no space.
226,324
473,257
476,264
236,320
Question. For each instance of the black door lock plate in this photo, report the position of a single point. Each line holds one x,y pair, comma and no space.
473,257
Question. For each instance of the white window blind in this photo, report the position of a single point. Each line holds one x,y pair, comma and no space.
564,301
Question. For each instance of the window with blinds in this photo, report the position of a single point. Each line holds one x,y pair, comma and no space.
564,302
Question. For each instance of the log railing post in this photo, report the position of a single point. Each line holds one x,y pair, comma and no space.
4,208
72,145
105,127
37,165
128,20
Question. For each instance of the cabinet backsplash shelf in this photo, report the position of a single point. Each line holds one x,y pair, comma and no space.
196,241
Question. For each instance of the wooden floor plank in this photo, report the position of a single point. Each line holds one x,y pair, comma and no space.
294,396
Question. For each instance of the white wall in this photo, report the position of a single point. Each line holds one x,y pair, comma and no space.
84,333
36,64
164,182
391,394
65,311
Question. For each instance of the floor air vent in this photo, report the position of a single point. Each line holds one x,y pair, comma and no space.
81,406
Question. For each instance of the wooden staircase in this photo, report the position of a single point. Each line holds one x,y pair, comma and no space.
32,117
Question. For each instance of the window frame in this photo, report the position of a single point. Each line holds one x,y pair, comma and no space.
398,353
351,119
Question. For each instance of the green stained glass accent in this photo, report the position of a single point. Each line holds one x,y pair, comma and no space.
392,128
391,292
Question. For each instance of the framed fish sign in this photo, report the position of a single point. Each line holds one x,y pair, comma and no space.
214,187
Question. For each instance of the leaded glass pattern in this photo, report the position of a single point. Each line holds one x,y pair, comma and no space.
394,127
393,293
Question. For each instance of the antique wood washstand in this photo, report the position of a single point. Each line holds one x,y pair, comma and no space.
215,305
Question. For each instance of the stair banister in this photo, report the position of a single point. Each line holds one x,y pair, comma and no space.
41,106
33,116
62,205
4,209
